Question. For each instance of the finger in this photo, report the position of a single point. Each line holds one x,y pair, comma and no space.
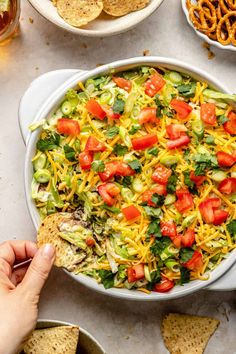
5,267
17,251
38,270
18,275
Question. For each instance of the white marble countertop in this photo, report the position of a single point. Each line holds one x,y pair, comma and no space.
121,326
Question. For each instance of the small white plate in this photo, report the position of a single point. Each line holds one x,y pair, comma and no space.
204,36
103,26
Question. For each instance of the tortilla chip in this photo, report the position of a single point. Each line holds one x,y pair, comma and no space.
48,233
59,340
123,7
186,334
79,12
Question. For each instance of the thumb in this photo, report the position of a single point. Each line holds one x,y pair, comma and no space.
38,270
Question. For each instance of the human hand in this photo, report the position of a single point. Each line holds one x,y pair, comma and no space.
20,289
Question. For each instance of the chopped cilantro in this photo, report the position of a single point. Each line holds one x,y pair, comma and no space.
153,212
119,106
98,166
154,228
107,278
153,151
187,90
172,182
186,254
159,245
157,199
69,153
52,141
120,150
189,183
184,275
134,129
231,227
111,208
135,165
111,132
210,140
186,155
126,181
155,278
203,162
222,119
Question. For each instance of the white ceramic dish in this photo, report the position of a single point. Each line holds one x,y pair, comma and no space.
87,343
49,106
103,26
204,36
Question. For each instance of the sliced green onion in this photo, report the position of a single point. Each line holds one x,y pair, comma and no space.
42,175
210,140
127,194
137,185
105,97
198,129
125,136
147,273
130,101
175,77
168,252
66,108
169,160
218,176
172,265
170,199
188,220
40,162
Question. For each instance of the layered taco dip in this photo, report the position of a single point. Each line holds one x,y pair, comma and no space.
144,160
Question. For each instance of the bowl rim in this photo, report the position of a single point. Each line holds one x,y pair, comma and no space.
49,106
58,323
143,14
204,36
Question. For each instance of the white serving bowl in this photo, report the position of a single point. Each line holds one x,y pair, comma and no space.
49,107
204,36
103,26
87,343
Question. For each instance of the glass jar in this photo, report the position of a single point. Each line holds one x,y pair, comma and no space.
9,19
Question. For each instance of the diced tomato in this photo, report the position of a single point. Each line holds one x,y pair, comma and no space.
177,240
90,242
148,115
154,84
144,142
110,113
174,131
198,180
115,169
185,200
207,208
220,216
147,195
188,238
208,113
94,145
164,286
95,109
228,185
68,126
230,125
131,212
181,141
85,160
108,191
123,83
135,273
161,174
234,155
224,159
182,108
168,228
195,262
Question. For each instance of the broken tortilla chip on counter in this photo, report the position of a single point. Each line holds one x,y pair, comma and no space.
198,329
60,340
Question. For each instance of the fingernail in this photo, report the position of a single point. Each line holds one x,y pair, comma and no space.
48,251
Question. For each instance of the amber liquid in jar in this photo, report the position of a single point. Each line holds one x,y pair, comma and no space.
9,20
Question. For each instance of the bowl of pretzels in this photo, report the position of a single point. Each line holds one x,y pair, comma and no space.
213,20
